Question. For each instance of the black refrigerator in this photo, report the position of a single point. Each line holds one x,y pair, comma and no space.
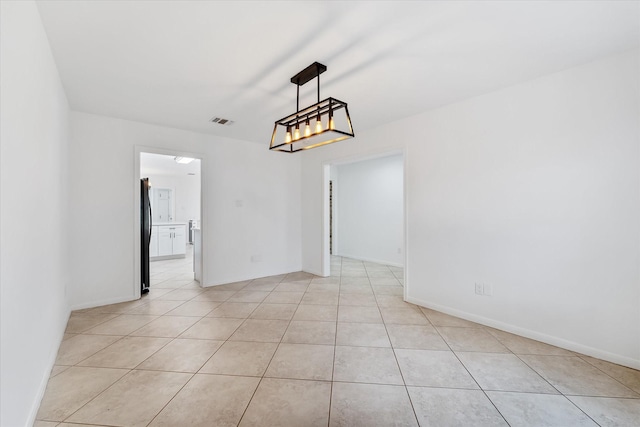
145,233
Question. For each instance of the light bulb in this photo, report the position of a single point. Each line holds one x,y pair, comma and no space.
287,138
332,124
307,129
296,133
318,125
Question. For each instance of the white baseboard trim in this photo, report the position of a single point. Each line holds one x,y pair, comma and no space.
42,387
377,261
243,279
102,302
527,333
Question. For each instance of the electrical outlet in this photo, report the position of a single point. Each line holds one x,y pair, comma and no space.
478,288
256,258
487,289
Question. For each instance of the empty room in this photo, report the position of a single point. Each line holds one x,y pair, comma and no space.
319,213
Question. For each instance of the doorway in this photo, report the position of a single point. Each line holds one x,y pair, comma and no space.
172,222
364,213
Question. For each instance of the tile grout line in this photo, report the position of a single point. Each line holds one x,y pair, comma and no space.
468,372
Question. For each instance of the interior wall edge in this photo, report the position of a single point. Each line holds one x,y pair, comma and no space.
365,259
42,387
531,334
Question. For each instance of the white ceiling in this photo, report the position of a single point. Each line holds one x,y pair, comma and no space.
181,63
159,164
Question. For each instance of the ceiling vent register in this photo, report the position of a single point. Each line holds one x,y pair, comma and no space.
222,121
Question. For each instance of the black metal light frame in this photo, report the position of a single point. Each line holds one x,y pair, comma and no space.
326,107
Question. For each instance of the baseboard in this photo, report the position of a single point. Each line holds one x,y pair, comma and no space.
102,302
243,278
42,387
377,261
527,333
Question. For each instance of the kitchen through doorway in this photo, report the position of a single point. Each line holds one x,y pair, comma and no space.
170,221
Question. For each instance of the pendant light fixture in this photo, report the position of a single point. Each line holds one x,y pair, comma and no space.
330,119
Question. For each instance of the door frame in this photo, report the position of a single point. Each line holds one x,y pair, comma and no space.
138,149
326,176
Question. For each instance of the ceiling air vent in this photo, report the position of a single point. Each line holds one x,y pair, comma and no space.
222,121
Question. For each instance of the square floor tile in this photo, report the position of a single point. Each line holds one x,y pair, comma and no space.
534,410
241,358
392,301
263,287
610,412
236,310
300,286
359,314
180,295
433,369
70,390
454,408
362,334
208,400
403,316
194,308
522,345
79,347
284,297
364,289
388,290
127,353
366,365
345,280
471,339
120,307
320,298
323,287
324,313
370,405
81,322
504,372
359,299
248,296
309,332
260,330
121,325
416,337
166,326
215,295
155,307
572,375
440,319
302,361
181,355
211,328
57,369
268,311
280,402
627,376
133,401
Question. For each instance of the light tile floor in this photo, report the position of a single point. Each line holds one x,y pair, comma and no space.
300,350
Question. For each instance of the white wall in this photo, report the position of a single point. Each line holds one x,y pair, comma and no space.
33,249
104,191
534,189
368,208
186,194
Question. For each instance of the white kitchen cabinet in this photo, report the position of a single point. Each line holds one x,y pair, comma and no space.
165,241
153,245
171,241
179,241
